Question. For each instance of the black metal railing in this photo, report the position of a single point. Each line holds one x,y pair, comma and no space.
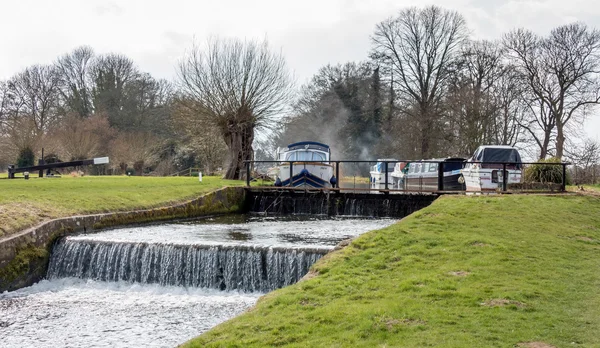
502,170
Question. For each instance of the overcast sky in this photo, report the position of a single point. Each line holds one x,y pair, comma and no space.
311,34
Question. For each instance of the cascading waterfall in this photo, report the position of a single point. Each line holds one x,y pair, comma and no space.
339,204
225,267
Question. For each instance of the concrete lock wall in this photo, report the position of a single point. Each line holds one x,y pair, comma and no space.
24,256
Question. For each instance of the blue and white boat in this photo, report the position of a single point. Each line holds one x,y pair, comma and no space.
310,166
379,172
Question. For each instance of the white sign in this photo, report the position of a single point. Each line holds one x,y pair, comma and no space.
101,160
200,176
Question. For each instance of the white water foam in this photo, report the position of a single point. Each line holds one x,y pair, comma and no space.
77,313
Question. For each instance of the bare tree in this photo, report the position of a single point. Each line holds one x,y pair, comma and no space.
78,138
586,160
420,45
561,73
34,94
74,70
201,136
474,99
238,86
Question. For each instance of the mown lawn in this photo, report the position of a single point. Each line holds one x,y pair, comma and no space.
487,271
24,203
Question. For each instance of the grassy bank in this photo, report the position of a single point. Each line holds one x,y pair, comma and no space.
499,271
24,203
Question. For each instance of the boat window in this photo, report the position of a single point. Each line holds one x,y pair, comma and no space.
501,155
452,165
478,155
318,156
433,167
290,156
304,156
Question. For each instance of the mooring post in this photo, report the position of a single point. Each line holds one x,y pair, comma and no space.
563,185
504,177
337,174
248,173
291,173
440,176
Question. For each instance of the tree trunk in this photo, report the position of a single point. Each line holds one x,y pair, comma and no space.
544,148
560,140
425,131
239,143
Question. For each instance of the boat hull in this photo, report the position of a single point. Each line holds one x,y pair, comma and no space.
310,175
488,179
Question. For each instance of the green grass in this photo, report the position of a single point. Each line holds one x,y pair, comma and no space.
24,203
465,272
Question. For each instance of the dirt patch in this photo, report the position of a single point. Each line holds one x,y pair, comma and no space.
343,244
390,324
306,303
459,273
535,345
502,302
479,244
310,275
585,239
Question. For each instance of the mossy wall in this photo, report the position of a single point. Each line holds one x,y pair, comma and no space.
24,256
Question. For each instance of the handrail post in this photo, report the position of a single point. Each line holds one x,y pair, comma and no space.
291,173
504,177
440,176
564,177
337,174
385,172
247,173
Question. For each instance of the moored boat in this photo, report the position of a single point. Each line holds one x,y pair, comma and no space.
305,164
484,170
379,171
398,175
424,175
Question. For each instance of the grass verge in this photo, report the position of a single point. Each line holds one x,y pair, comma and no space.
24,203
465,272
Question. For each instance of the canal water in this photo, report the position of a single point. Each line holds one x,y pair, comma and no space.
160,285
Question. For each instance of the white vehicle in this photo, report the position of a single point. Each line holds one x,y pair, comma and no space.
310,166
483,171
378,173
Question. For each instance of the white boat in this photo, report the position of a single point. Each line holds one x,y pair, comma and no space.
398,175
379,172
310,166
483,171
425,175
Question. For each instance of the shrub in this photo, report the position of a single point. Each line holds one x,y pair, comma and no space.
545,173
26,158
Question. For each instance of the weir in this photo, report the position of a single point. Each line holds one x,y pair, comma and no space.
285,202
239,267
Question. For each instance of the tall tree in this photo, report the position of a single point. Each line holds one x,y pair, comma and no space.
240,86
420,45
74,71
112,74
34,95
477,103
561,72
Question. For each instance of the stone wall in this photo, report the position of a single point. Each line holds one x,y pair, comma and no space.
24,256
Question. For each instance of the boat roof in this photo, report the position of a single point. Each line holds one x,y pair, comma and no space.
311,145
496,147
